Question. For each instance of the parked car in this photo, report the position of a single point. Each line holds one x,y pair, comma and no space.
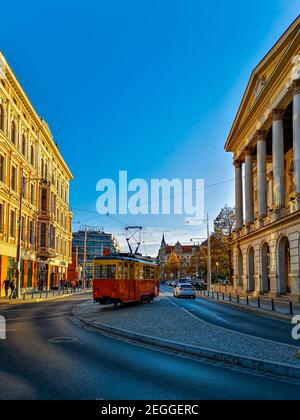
174,283
200,285
184,290
185,281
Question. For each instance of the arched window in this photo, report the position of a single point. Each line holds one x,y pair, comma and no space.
1,118
23,145
13,133
240,268
265,261
284,266
251,270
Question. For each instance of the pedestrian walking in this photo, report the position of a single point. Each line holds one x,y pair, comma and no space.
6,284
13,291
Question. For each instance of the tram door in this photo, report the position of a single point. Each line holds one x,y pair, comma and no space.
132,282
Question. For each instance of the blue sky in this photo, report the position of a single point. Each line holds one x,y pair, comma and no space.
150,87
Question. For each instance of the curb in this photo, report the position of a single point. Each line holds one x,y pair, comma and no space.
258,365
38,300
253,310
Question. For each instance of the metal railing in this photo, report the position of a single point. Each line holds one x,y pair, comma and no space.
259,302
45,294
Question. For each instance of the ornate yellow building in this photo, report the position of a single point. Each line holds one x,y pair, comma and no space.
30,157
265,141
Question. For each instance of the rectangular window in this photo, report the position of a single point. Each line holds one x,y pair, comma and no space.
23,231
44,199
149,273
32,194
14,178
13,224
2,168
43,233
52,237
31,232
1,218
104,271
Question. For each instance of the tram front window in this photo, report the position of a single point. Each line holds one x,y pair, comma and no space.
104,271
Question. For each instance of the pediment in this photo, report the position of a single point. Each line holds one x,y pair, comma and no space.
263,73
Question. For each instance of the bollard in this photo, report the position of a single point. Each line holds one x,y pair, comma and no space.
212,295
258,302
230,297
291,308
53,293
247,300
32,295
237,299
223,296
217,295
273,305
24,296
41,295
47,295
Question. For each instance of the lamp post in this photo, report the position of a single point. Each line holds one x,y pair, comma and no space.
24,181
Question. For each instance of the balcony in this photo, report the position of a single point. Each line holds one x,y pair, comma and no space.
46,252
44,215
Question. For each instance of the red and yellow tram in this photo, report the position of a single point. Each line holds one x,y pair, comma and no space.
125,278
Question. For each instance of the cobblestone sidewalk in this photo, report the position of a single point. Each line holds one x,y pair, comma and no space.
164,320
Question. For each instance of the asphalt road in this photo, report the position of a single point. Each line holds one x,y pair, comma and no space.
47,356
237,320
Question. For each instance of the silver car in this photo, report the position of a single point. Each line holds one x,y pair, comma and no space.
184,290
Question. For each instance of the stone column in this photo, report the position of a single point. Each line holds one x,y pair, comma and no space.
239,195
270,189
278,160
296,122
249,189
262,172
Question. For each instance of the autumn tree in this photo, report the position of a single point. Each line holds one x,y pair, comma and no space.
198,262
224,226
172,265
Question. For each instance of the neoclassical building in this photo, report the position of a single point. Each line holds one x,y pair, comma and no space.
265,142
30,159
184,252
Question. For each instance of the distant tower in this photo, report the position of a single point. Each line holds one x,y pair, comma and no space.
163,242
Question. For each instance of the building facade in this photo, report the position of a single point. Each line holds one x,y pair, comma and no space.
265,142
185,254
31,166
97,243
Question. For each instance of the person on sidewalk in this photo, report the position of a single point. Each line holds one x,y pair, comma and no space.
6,285
13,292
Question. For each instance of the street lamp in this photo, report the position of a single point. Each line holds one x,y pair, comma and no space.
24,181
